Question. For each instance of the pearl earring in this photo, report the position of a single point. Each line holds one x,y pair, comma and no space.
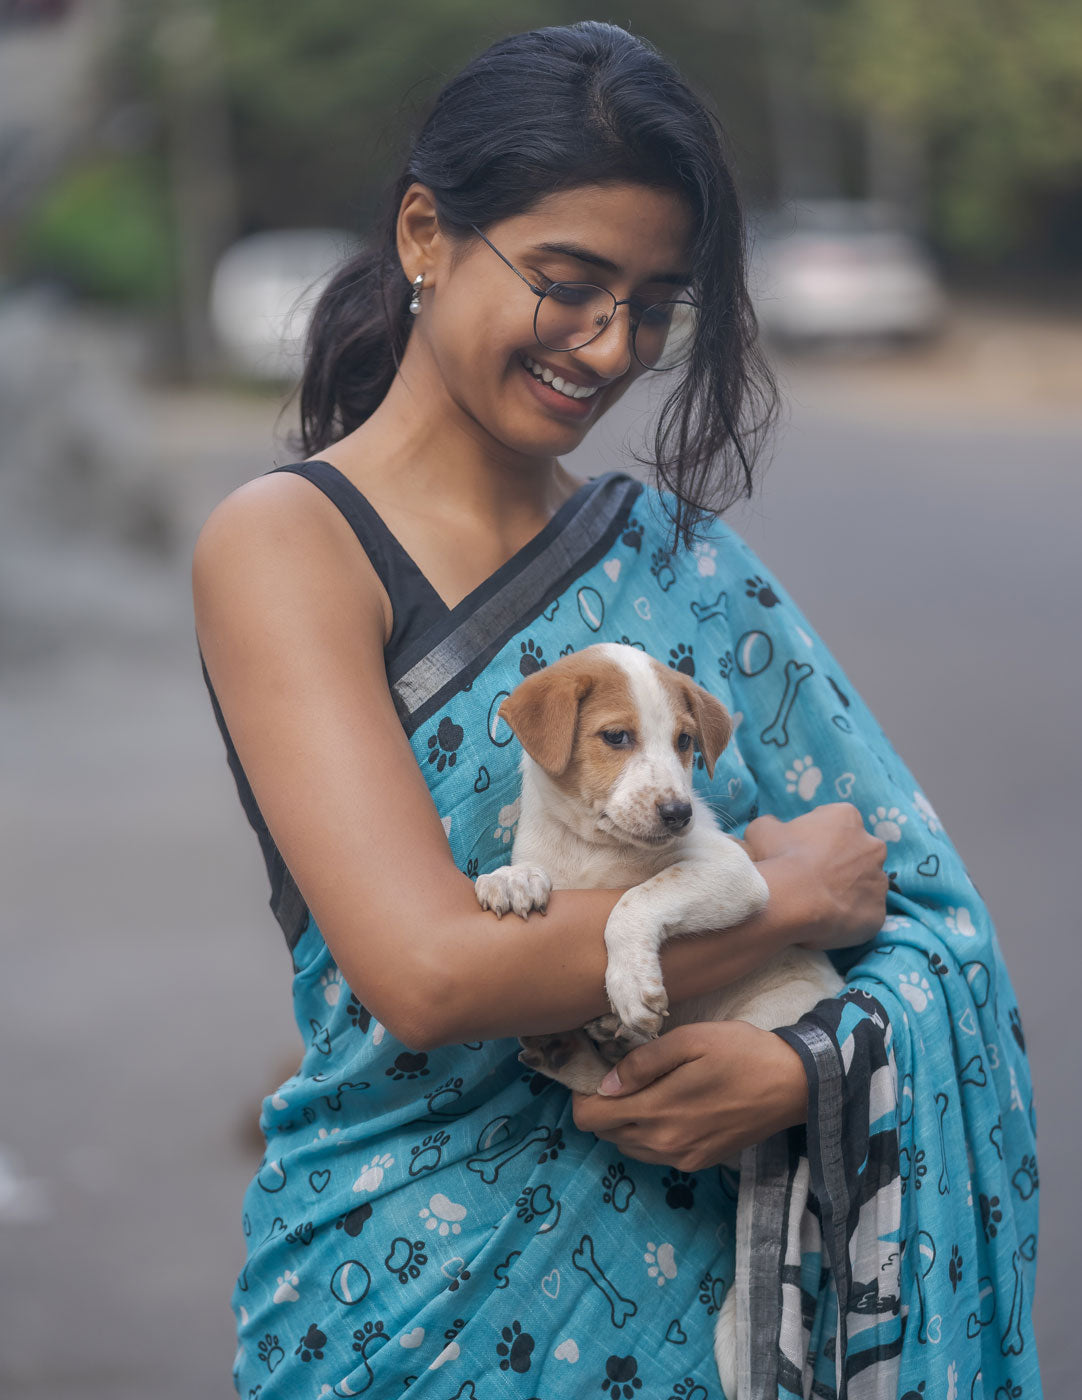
415,300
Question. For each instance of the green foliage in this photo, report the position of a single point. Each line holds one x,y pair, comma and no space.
103,229
994,89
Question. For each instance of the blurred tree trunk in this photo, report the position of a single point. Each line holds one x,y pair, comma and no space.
200,168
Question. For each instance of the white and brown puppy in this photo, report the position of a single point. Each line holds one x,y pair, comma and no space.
609,736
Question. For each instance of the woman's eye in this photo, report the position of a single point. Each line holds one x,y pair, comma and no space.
616,738
684,743
569,293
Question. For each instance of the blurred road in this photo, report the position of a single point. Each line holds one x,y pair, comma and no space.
931,536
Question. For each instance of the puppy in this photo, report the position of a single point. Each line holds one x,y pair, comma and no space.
609,738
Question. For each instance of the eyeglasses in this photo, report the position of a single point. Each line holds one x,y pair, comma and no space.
570,315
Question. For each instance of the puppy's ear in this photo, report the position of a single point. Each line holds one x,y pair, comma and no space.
543,711
713,727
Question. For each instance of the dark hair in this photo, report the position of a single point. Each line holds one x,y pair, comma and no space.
534,114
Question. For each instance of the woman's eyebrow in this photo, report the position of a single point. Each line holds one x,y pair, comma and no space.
581,254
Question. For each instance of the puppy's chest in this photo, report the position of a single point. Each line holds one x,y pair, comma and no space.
572,864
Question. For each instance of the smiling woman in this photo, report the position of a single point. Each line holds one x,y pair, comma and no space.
428,1214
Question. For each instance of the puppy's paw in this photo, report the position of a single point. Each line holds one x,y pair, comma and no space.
518,889
640,1003
567,1056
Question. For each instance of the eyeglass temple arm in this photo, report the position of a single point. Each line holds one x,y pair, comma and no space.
536,290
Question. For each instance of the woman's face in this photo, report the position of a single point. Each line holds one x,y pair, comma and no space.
478,318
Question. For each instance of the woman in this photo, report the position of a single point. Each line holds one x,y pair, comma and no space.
427,1213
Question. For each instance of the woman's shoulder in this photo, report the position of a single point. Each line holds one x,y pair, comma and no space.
656,512
278,532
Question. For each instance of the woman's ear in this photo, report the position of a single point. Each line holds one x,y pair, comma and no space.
419,234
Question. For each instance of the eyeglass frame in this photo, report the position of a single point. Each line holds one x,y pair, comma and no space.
541,294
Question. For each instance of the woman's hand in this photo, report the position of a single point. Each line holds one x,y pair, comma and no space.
698,1095
831,871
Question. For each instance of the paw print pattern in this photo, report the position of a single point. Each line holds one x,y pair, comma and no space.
920,1168
617,1187
406,1259
311,1344
552,1148
991,1215
286,1292
473,868
360,1017
927,812
711,1293
954,1268
532,658
443,1097
353,1222
803,778
679,1190
622,1377
688,1389
681,659
761,591
535,1202
443,1215
426,1154
887,823
1026,1179
270,1352
331,982
632,535
1016,1028
936,966
506,823
706,559
443,745
916,989
408,1065
660,1262
662,569
725,665
371,1177
515,1349
364,1336
959,922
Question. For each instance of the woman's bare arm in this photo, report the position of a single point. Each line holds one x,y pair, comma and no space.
291,623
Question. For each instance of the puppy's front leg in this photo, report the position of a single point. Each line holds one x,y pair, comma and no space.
695,895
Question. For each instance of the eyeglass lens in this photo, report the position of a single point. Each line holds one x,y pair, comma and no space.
571,314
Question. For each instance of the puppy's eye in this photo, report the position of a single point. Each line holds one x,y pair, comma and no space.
616,738
684,743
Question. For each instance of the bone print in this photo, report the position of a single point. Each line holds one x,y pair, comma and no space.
488,1165
583,1259
942,1101
926,1248
1013,1341
986,1308
796,673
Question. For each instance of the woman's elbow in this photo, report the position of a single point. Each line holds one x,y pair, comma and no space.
420,1006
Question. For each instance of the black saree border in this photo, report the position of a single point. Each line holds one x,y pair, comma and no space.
450,656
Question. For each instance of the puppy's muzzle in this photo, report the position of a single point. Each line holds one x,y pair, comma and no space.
675,815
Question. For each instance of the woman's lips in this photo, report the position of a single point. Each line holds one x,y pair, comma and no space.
552,399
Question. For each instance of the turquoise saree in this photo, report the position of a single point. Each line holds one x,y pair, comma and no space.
435,1221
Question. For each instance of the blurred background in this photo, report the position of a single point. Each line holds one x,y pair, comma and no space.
175,178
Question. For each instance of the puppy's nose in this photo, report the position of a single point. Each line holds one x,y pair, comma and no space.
674,814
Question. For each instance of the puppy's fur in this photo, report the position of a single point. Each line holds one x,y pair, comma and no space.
609,736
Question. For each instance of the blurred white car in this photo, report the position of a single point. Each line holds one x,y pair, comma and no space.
829,270
263,292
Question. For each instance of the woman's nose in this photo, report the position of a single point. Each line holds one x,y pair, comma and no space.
609,355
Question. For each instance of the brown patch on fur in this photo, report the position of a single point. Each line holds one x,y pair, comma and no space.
570,700
706,717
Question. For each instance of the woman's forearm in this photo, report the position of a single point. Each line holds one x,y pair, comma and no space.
526,977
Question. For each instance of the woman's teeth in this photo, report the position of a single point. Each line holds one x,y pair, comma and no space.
562,386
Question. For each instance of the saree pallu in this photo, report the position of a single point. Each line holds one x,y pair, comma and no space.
435,1221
